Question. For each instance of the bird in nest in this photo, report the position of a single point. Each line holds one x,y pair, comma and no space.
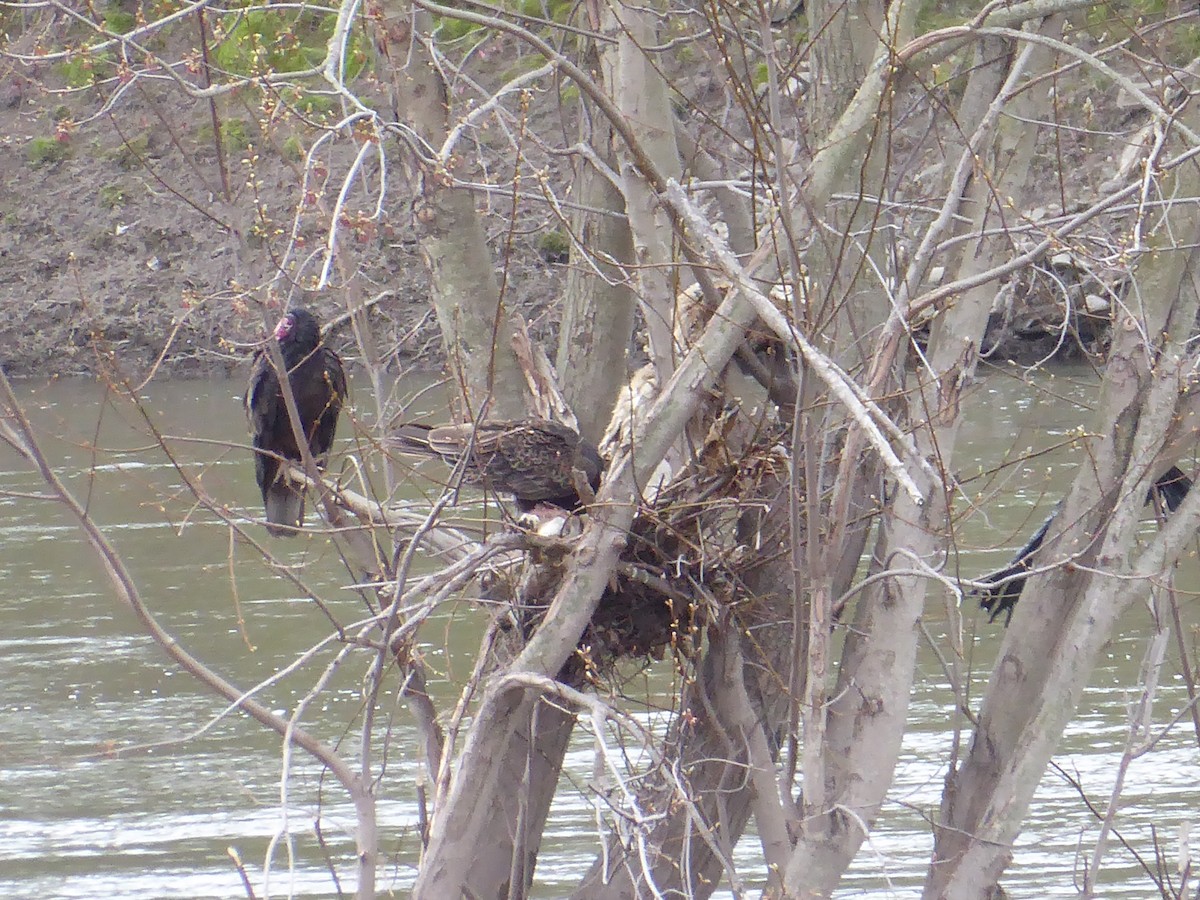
533,460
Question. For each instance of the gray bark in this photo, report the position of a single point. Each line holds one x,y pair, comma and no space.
1066,615
640,93
599,303
846,38
867,720
714,749
474,788
497,856
476,329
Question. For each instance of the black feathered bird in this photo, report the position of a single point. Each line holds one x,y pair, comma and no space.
319,386
1007,583
534,460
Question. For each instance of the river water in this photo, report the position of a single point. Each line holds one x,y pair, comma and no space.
80,678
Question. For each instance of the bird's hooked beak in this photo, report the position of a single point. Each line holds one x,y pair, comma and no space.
284,328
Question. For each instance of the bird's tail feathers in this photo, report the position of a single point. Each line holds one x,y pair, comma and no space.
285,510
1171,487
412,437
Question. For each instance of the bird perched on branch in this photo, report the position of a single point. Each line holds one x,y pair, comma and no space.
1007,583
318,385
534,460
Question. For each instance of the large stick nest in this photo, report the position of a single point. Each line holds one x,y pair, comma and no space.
683,564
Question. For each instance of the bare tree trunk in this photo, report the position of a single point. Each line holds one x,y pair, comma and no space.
1066,615
599,303
637,86
847,34
734,211
844,311
869,712
476,330
475,788
497,857
714,743
764,685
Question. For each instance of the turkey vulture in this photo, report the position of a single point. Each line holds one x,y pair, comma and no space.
532,459
319,386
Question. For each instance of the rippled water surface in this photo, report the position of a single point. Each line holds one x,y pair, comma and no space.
80,677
